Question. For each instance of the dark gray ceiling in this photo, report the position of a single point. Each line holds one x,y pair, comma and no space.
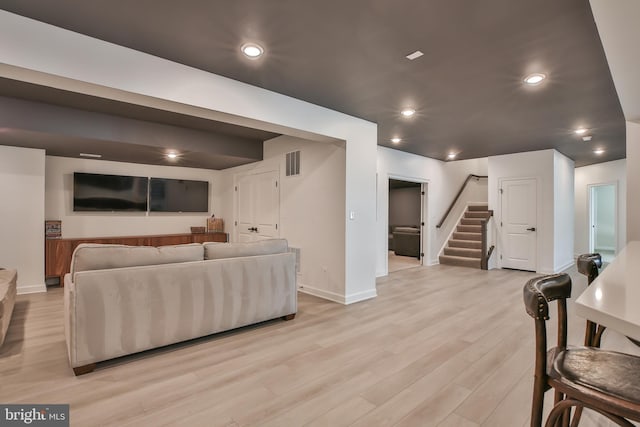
350,56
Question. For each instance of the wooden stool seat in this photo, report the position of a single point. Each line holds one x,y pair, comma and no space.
609,374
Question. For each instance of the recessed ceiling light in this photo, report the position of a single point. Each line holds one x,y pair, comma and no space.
598,151
252,50
172,155
587,138
534,79
93,156
396,140
415,55
581,131
451,156
408,112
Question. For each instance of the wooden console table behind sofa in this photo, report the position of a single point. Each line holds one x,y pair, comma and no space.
57,252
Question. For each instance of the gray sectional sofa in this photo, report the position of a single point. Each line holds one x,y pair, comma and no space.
406,241
121,300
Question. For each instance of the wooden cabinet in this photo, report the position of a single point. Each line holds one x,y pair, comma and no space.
57,252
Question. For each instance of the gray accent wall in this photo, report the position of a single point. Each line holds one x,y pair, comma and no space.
404,206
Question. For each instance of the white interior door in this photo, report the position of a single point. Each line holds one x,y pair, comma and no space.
267,205
602,218
258,201
518,223
246,210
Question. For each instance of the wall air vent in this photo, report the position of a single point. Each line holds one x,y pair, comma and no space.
297,252
293,163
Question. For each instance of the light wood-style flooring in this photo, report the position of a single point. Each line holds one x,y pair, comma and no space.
440,346
398,262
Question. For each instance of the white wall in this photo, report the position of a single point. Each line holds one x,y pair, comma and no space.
444,181
563,208
554,174
312,207
633,181
619,33
59,200
22,180
614,172
44,54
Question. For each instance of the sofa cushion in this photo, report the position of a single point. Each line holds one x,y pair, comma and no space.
92,256
241,249
406,230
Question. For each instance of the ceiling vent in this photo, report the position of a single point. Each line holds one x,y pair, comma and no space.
415,55
293,163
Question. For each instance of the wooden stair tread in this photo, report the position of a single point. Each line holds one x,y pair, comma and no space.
470,221
464,247
461,235
469,228
460,261
464,252
460,243
478,207
477,214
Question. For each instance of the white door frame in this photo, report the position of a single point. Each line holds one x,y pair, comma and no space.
590,213
233,237
424,215
499,242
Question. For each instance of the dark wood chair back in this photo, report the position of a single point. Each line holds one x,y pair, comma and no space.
604,381
537,293
588,264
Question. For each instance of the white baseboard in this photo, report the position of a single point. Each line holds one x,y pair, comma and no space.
32,289
336,297
360,296
564,267
433,262
321,293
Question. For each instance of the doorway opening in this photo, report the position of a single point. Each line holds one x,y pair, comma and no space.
406,224
603,227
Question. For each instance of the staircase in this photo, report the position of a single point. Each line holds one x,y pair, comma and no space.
465,245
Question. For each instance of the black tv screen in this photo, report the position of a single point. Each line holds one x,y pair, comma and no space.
178,195
96,192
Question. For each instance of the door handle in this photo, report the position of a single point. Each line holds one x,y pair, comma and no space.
252,229
531,229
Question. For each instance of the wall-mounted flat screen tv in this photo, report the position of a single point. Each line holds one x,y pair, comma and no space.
96,192
178,195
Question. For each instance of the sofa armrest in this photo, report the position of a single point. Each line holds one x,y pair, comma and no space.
69,314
